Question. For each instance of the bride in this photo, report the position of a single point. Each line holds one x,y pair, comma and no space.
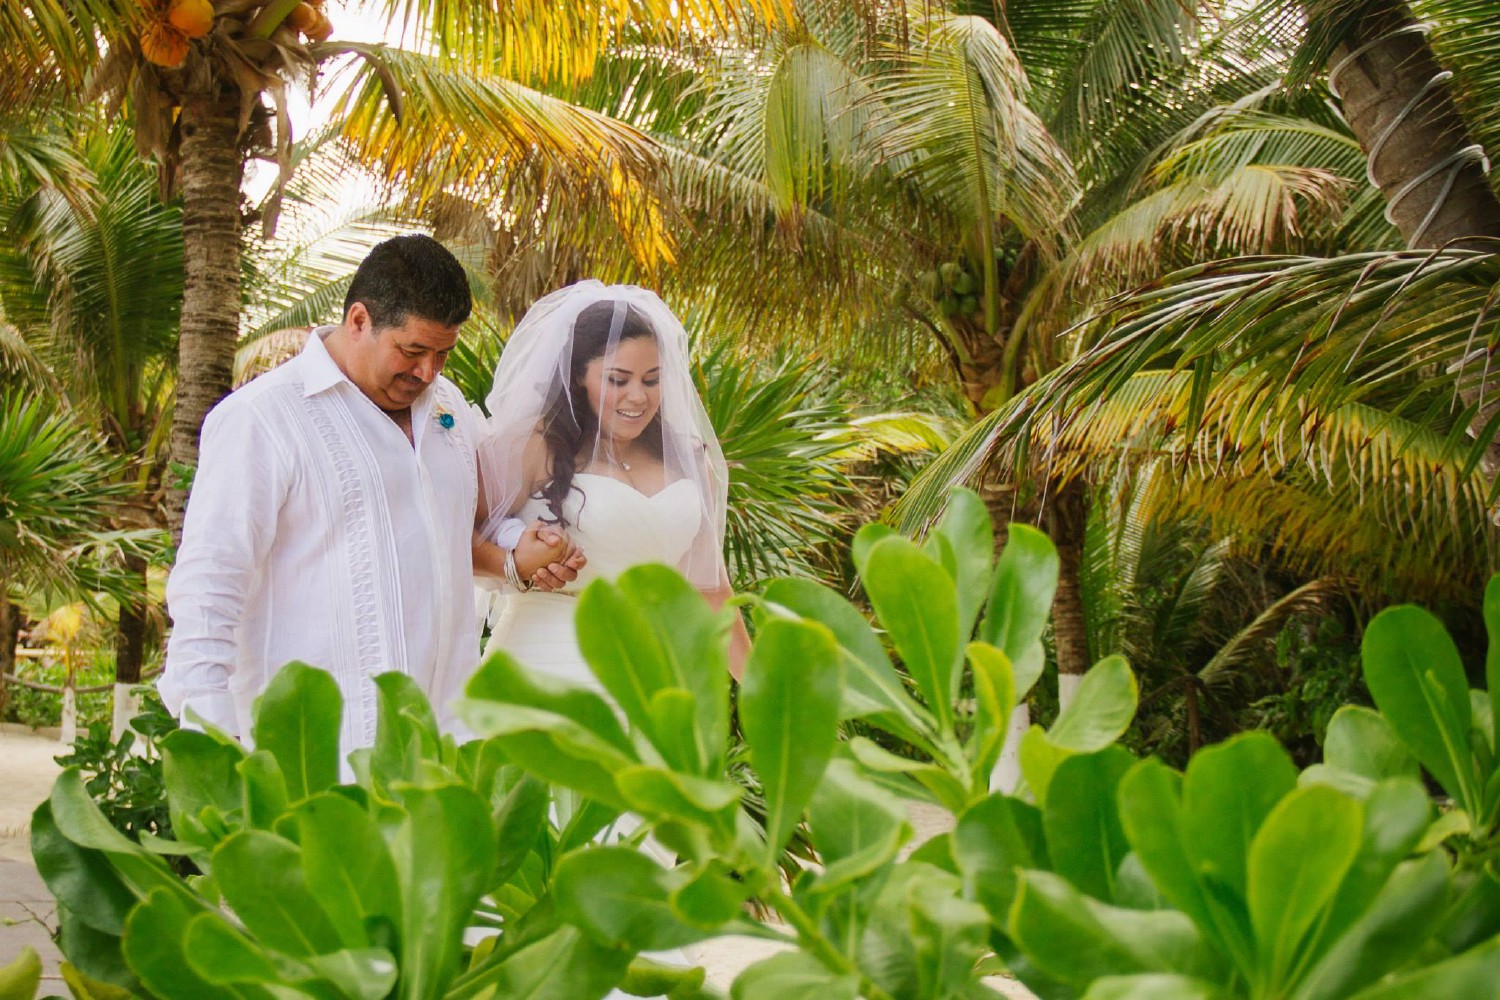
597,430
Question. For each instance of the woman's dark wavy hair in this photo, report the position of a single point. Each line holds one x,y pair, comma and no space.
568,422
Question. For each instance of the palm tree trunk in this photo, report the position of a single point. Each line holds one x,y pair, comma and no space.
10,636
130,635
1067,515
1404,116
212,169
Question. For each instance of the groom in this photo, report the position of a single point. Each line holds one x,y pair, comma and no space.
332,513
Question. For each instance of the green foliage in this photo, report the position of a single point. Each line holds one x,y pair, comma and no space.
1104,877
124,776
1428,715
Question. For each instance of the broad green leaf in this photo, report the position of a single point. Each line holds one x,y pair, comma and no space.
520,815
1297,861
80,878
406,731
622,898
1398,922
502,680
793,975
200,772
1361,741
77,818
1463,977
1084,838
623,650
223,955
865,540
856,826
261,876
994,839
363,974
917,604
664,794
297,719
789,702
1397,815
1152,986
1040,758
1020,602
20,979
443,845
347,866
949,791
564,965
553,747
971,540
264,786
870,681
1150,801
1417,680
155,941
1077,939
95,953
694,637
1474,911
1101,708
949,934
995,699
1227,793
86,987
674,728
712,896
1492,655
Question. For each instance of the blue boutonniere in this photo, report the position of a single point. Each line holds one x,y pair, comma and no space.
444,418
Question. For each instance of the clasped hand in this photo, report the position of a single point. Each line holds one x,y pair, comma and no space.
547,557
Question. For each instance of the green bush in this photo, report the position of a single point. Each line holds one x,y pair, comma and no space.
1105,878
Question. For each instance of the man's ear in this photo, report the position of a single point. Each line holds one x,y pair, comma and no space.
357,319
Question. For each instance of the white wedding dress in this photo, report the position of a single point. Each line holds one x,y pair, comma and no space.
617,527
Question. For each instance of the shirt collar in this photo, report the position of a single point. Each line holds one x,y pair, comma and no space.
322,372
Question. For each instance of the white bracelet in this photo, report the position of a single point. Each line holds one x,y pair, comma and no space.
513,575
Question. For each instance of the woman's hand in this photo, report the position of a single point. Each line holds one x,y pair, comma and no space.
546,557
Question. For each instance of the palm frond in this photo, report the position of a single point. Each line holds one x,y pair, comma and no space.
1255,639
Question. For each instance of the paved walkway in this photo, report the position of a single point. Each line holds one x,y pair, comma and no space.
26,908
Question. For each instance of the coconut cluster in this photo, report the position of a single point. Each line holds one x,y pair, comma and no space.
173,25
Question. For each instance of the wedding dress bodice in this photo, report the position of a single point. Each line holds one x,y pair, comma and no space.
618,526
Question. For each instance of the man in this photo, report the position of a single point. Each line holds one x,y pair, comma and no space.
332,515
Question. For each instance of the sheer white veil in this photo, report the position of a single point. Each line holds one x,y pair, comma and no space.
538,410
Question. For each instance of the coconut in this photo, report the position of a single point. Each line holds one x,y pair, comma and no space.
303,18
194,18
164,45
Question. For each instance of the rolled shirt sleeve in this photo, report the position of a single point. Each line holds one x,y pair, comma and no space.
228,531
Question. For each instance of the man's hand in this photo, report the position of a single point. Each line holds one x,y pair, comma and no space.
547,558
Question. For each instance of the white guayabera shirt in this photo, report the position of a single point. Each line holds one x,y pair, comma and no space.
316,531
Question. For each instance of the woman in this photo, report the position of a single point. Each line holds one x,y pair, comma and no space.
596,429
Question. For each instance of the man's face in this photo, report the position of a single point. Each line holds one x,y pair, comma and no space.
394,365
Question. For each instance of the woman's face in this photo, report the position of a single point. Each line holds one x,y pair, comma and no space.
624,388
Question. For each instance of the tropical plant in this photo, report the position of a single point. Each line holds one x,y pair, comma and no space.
92,281
124,775
57,484
356,890
1428,716
1159,589
199,74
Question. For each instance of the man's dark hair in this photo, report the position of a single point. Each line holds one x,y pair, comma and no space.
411,276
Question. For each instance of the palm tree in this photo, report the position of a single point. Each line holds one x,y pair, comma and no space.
201,105
92,282
978,173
